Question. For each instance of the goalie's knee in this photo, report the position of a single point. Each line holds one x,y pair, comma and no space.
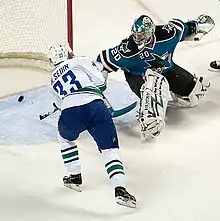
199,91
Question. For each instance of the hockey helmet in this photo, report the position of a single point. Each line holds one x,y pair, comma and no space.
59,53
142,29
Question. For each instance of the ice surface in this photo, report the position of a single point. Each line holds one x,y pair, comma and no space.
20,122
175,178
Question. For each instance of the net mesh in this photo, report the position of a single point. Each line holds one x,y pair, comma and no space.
28,28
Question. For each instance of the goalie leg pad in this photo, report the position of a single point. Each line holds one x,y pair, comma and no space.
153,104
199,91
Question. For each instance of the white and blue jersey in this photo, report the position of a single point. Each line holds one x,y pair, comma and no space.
158,52
77,85
76,82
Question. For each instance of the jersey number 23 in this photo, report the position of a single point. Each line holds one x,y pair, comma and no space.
67,84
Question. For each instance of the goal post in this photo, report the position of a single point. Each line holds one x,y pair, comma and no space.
29,27
69,20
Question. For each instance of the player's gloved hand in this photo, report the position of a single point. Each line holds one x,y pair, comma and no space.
205,19
100,67
205,25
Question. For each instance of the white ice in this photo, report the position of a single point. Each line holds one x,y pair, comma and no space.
174,178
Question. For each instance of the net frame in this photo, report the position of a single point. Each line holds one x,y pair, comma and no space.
38,59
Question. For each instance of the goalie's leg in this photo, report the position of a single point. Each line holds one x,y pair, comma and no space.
135,82
186,89
153,104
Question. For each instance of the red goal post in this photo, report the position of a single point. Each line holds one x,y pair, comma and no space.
29,27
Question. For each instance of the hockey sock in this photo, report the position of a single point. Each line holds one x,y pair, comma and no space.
70,155
114,167
71,161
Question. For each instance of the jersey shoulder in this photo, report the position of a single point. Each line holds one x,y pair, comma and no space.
127,47
165,32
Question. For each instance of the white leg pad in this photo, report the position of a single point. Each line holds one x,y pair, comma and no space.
153,104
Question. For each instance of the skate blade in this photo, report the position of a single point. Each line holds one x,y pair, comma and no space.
128,203
73,187
214,70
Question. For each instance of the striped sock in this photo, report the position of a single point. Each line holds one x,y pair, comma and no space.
71,160
114,167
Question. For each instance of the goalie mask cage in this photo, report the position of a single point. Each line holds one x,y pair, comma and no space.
29,27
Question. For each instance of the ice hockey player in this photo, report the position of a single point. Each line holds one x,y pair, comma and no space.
77,84
152,47
215,65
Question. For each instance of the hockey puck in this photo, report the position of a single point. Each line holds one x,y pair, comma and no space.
21,98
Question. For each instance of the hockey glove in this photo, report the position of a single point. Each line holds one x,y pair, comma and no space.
205,25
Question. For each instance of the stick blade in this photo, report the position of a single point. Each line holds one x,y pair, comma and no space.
41,117
117,113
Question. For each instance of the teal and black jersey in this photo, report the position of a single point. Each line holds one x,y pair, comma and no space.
158,52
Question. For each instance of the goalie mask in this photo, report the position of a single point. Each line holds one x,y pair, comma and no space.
143,29
59,53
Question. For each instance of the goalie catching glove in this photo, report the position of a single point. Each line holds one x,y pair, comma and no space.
153,104
200,27
205,25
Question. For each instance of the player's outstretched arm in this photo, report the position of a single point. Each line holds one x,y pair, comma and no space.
200,27
205,25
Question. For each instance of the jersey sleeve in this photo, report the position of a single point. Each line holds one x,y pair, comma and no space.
56,98
184,29
94,74
110,59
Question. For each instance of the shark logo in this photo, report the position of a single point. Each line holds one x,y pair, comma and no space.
124,47
168,27
157,61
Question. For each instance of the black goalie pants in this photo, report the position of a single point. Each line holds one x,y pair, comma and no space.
181,82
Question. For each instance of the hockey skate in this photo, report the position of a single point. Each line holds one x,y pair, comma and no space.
73,182
124,198
215,66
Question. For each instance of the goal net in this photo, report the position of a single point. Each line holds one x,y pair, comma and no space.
29,27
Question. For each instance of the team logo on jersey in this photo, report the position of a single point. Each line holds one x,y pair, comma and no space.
157,61
168,27
124,47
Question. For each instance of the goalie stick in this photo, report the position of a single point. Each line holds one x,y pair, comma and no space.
122,111
114,113
119,112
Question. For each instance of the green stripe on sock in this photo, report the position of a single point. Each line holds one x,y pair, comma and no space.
115,167
72,154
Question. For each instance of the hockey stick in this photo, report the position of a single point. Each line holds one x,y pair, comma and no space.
119,112
114,113
42,116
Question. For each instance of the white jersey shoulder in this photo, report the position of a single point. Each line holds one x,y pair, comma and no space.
79,77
